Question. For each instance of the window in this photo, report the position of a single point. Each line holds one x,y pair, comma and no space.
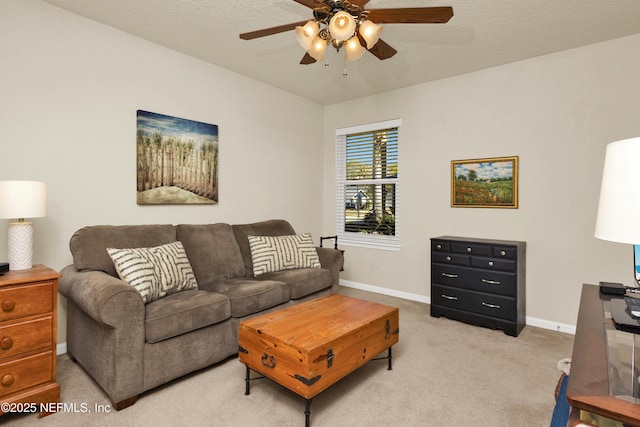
368,186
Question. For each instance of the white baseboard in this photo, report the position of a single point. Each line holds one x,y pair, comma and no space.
385,291
532,321
61,348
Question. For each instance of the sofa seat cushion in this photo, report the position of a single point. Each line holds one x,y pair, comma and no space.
249,296
302,281
184,312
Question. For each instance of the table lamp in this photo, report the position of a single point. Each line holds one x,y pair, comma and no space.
19,200
619,208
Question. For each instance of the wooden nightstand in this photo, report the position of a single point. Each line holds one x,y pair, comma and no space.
28,320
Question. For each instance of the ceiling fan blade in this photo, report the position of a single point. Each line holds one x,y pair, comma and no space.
311,4
270,31
411,15
382,50
307,59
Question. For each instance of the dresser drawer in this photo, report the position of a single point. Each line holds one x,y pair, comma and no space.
494,282
449,258
471,249
439,246
17,302
476,302
509,252
24,373
493,263
27,336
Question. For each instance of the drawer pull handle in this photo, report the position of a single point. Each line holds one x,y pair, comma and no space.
8,305
491,282
6,343
449,297
448,258
271,363
503,253
7,380
469,250
490,263
452,276
486,304
438,246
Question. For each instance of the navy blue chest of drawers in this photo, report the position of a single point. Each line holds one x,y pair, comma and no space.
479,281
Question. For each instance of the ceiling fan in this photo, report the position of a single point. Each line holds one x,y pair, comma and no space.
347,23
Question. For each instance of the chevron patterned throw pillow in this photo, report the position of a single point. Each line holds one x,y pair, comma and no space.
275,253
155,272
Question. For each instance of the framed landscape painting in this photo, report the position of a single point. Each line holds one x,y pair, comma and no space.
176,159
485,183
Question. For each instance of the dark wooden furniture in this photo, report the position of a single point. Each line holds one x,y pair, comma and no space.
589,380
310,346
479,281
28,320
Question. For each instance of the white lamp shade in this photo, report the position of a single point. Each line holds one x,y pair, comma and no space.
354,49
619,208
307,33
370,32
23,199
318,47
342,26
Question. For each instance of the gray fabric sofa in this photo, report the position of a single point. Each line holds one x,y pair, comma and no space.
129,347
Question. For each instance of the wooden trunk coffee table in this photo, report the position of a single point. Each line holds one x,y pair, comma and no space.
310,346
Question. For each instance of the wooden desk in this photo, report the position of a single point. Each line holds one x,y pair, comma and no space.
588,387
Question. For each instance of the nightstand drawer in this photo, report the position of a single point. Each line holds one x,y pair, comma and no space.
24,373
27,336
17,302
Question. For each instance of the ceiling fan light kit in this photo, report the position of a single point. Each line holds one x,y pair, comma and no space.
346,23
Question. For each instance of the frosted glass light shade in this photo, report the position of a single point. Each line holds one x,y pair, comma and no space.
23,199
354,49
318,47
342,26
307,33
370,32
619,208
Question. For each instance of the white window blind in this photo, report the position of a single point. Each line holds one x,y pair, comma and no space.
368,186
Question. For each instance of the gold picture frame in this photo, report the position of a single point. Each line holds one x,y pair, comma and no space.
485,183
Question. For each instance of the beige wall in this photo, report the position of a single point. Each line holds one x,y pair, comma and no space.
555,112
69,91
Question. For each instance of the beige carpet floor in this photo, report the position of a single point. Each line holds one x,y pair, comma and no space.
445,373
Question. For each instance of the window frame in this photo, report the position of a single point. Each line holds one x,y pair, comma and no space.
376,241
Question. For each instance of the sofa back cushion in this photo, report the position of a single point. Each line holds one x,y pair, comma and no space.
274,227
89,244
213,252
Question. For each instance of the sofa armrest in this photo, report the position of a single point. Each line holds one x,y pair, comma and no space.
106,299
332,260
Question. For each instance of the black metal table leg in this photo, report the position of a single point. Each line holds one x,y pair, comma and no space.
307,413
390,357
247,381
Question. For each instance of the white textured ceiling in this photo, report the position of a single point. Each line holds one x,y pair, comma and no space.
481,34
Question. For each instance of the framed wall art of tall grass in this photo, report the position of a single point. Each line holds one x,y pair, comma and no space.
176,160
485,183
